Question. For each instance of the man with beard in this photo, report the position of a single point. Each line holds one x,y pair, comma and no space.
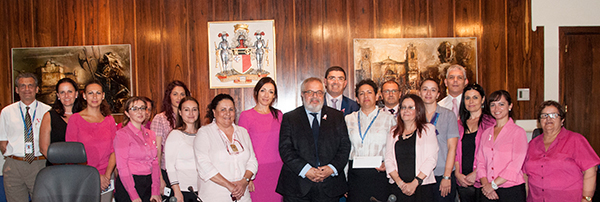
335,82
314,146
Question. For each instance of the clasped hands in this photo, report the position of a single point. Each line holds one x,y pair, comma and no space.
409,188
238,188
489,192
319,174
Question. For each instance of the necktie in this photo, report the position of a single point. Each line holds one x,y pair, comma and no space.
28,137
334,101
455,106
315,131
392,111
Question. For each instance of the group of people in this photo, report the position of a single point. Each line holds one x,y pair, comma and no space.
384,143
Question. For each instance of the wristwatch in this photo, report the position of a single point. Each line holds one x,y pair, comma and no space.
247,179
494,185
587,198
445,177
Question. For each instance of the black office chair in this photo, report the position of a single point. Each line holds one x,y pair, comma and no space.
68,183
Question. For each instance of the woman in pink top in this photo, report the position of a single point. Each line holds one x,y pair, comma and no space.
474,119
96,129
137,162
501,154
263,123
560,164
163,123
411,153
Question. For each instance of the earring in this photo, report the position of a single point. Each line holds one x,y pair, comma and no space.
58,98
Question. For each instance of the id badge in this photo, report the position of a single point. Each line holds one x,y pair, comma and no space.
28,147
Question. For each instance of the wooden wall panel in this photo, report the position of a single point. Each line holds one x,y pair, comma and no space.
492,62
45,23
169,38
414,19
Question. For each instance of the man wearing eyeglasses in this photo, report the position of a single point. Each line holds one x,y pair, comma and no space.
314,146
335,82
456,80
390,90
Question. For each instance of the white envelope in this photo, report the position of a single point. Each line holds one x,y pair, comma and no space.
367,162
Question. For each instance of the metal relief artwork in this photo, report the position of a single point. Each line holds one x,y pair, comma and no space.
409,61
241,52
108,64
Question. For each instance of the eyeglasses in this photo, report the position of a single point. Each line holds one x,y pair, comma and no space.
551,115
312,93
409,107
390,91
333,78
136,109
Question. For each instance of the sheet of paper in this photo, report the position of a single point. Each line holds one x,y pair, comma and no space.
367,162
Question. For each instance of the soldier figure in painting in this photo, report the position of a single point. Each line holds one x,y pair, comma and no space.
260,48
223,51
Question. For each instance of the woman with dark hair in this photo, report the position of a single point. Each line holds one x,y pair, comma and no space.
164,122
224,154
411,152
135,152
368,129
568,161
263,123
54,123
474,119
149,113
501,153
179,151
96,129
446,130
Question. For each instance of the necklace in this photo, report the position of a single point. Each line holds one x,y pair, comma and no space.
69,113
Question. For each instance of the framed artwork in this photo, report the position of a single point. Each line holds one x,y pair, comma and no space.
409,61
240,53
108,64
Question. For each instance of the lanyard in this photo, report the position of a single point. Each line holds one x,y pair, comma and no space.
29,130
362,137
434,121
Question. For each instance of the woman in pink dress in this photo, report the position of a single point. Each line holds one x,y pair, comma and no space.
96,129
263,123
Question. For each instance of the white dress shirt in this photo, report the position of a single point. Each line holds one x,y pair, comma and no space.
395,108
12,126
338,104
447,101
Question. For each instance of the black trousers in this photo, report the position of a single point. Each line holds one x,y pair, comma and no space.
511,194
316,194
469,194
452,195
143,186
423,193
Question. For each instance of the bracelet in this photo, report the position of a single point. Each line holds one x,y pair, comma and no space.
419,180
494,185
587,198
247,179
445,177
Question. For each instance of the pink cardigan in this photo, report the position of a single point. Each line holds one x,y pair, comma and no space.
486,122
426,154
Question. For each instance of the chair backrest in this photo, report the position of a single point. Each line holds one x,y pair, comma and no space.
71,183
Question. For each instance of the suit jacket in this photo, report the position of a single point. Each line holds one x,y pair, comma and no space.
297,148
348,105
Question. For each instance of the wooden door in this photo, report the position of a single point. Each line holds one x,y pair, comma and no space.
580,80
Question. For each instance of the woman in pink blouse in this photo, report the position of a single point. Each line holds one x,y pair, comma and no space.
164,122
96,129
560,164
501,154
411,152
263,123
137,162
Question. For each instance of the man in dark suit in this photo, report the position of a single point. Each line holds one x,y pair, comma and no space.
314,147
335,82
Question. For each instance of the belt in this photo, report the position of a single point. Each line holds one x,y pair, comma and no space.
23,158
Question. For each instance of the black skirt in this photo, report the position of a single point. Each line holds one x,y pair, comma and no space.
143,187
364,183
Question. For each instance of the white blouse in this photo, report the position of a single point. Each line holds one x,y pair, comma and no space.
372,142
214,156
180,161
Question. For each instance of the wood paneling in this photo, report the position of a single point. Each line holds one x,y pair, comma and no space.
169,38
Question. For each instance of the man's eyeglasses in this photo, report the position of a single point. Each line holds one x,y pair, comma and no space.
312,93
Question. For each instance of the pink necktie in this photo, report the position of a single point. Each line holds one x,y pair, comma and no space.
455,106
334,100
